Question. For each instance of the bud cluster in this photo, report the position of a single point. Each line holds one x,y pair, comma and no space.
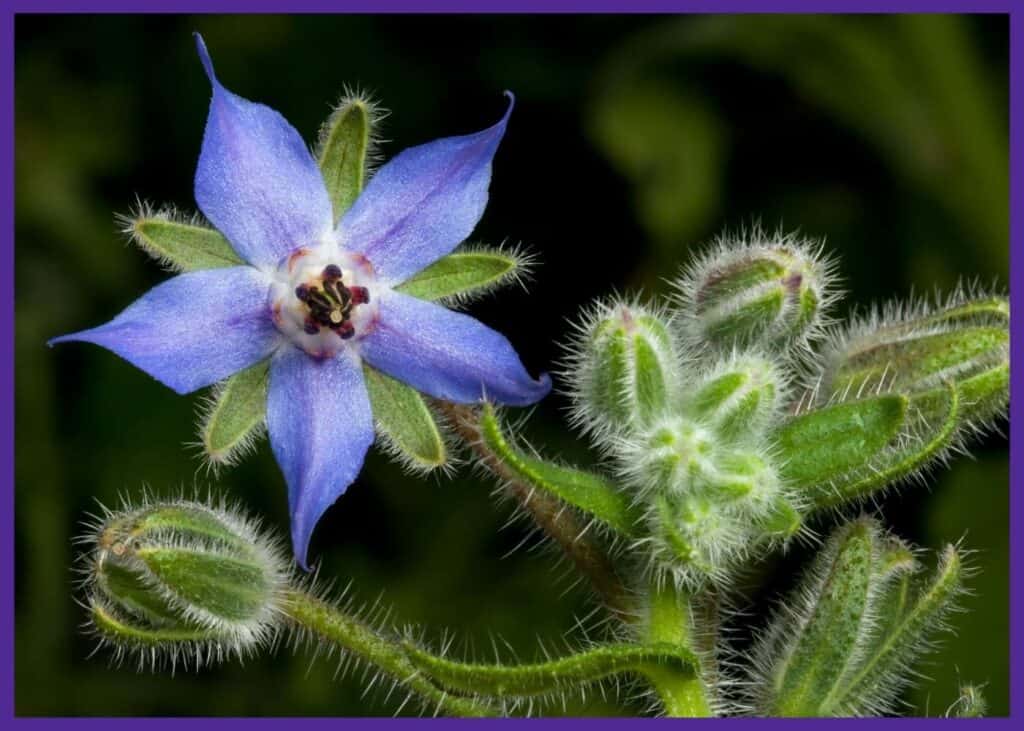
183,580
684,399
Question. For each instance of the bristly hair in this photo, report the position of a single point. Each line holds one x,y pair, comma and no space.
578,368
874,673
128,225
213,639
729,248
522,263
375,114
897,321
213,460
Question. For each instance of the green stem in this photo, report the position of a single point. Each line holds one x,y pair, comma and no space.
542,678
351,635
670,620
550,514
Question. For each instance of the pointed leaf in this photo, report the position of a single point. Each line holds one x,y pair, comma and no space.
181,246
824,444
587,491
236,415
936,416
405,421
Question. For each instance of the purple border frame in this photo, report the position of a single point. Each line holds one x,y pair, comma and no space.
8,10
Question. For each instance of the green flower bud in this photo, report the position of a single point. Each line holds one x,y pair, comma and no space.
707,504
765,292
183,575
840,646
693,539
965,342
670,457
624,367
739,398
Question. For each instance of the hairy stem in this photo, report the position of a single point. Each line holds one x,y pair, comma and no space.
554,518
351,635
670,619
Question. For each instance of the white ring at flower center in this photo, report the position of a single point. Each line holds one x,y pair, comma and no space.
306,267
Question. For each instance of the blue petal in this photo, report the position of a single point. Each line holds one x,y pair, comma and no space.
448,355
423,203
320,425
193,330
256,180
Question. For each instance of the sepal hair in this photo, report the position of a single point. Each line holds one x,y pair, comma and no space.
182,582
845,642
753,288
622,366
919,345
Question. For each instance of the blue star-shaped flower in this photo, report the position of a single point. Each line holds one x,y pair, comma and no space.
318,299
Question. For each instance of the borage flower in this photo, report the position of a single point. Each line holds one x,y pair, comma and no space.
318,299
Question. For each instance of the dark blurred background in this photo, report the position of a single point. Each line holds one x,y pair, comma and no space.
634,140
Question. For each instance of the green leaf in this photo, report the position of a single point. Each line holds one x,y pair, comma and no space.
936,416
181,246
587,491
235,415
344,142
465,273
827,443
405,421
545,677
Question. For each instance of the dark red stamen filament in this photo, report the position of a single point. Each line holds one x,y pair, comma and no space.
332,306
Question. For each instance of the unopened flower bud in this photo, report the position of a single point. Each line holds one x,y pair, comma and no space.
184,573
894,351
739,397
624,368
765,293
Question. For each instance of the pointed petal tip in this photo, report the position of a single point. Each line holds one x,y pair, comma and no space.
530,393
503,122
204,57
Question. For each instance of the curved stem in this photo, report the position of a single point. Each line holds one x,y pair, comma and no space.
559,523
541,678
670,619
351,635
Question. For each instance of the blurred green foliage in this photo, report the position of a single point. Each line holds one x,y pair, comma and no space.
634,139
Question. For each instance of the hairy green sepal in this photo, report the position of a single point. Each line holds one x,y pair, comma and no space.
344,143
463,273
405,421
236,414
841,646
181,246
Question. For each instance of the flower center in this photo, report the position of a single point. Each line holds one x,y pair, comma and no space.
321,300
330,305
